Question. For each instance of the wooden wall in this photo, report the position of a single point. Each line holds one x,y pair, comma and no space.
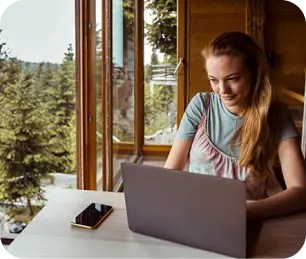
285,35
206,19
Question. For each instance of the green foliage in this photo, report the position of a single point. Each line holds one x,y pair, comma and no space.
154,58
30,67
129,19
162,33
157,106
150,111
25,155
163,97
20,213
61,107
72,143
162,36
37,125
148,68
160,123
9,67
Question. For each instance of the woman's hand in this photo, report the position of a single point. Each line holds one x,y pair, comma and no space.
286,202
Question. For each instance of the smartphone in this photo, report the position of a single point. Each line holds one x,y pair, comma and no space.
92,216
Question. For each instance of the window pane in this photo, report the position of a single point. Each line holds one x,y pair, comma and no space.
99,96
37,96
160,82
123,82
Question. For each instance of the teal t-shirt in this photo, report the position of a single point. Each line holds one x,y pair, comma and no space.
222,123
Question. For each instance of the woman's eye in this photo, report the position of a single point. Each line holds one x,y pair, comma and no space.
214,81
233,79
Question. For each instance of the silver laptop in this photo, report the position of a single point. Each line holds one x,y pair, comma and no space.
201,211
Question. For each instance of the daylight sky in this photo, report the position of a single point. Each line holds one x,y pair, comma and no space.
41,30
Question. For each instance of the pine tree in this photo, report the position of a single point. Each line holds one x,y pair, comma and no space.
45,82
25,157
72,142
3,64
61,109
9,66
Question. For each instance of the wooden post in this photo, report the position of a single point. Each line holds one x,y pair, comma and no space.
303,144
255,20
139,125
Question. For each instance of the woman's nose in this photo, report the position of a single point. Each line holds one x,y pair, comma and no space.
223,88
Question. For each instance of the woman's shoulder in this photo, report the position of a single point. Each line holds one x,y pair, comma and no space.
201,98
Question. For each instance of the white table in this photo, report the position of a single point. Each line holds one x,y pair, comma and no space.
51,235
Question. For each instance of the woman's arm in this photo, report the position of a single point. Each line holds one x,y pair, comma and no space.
179,154
293,199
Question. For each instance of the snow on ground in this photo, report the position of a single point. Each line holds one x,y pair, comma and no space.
61,181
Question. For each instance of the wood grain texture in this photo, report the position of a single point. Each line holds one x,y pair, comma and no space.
91,150
303,142
139,78
206,20
109,96
293,94
103,97
181,53
50,234
255,16
285,36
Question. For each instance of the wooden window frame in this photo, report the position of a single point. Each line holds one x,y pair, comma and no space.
86,94
85,121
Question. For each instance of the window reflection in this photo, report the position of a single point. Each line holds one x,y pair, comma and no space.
123,82
160,81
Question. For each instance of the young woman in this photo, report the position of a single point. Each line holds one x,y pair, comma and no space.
240,129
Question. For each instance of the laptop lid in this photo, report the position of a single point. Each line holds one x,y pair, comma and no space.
202,211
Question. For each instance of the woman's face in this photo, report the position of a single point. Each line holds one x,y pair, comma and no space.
231,80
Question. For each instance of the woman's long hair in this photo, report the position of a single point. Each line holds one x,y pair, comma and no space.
258,135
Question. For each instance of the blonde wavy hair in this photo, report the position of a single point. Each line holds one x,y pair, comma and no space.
258,135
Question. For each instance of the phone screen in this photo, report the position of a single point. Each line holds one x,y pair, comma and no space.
94,214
